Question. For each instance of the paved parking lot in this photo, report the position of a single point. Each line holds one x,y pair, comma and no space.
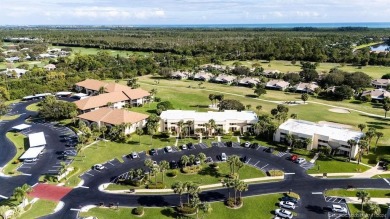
337,201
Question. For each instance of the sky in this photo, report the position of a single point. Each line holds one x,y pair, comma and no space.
160,12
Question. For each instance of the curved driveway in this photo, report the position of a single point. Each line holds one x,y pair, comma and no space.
311,205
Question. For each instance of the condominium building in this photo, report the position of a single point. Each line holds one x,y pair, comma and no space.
321,135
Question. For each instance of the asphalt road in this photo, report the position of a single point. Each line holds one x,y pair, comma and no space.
312,204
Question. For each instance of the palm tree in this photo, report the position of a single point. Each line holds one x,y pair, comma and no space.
189,124
236,184
386,108
19,193
132,173
370,134
362,127
308,141
139,131
202,157
378,136
102,90
248,107
351,143
363,145
258,108
212,125
155,170
184,160
191,159
153,92
205,208
228,183
373,209
192,189
164,165
207,126
180,125
242,186
364,196
149,163
294,116
179,188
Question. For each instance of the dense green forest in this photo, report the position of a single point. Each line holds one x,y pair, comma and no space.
216,45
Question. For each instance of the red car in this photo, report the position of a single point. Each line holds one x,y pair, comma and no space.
294,157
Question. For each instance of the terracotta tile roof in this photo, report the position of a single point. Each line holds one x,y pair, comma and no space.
91,84
136,93
113,116
100,100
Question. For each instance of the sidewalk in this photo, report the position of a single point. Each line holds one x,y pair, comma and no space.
371,172
334,174
205,187
355,200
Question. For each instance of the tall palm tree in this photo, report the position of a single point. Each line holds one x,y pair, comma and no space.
373,209
179,188
236,184
258,108
202,157
102,90
19,193
242,186
364,196
212,125
149,164
184,160
363,145
155,170
362,127
164,165
228,183
180,125
189,124
369,135
207,126
378,136
294,116
193,190
139,131
351,143
212,98
205,208
191,159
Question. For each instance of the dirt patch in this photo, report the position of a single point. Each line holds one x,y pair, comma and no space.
335,124
339,110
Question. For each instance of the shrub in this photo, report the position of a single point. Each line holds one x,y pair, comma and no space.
156,186
135,183
138,210
231,203
173,173
157,99
275,173
15,162
214,165
191,169
11,172
186,209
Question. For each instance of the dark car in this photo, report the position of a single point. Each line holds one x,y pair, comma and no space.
190,146
244,159
269,150
173,164
290,199
152,152
254,145
229,144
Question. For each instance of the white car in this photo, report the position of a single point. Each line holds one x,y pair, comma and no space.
287,204
184,147
168,149
134,155
98,167
339,209
30,160
284,213
301,160
247,144
155,163
223,157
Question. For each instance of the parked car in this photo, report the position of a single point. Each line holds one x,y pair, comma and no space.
244,159
134,155
254,145
294,157
290,199
155,163
30,160
98,167
229,144
168,149
287,204
339,209
208,160
284,213
269,150
300,160
247,144
173,164
223,157
152,152
184,147
190,146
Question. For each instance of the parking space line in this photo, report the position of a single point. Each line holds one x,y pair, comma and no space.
256,163
110,163
248,160
4,197
316,193
89,174
264,166
387,181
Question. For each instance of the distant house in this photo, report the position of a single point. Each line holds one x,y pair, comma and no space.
248,81
12,59
15,72
49,67
306,87
377,94
46,56
202,76
277,84
380,83
224,79
270,73
179,75
116,94
112,117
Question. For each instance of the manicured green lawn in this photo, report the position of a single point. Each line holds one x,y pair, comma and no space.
9,117
207,175
21,145
374,193
33,107
381,176
94,51
355,210
261,207
334,166
39,209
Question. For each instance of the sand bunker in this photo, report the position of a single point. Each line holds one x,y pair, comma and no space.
339,110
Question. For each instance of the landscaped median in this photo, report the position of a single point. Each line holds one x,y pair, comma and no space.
108,188
19,141
261,207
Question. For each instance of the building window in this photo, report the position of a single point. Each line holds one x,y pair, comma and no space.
232,123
